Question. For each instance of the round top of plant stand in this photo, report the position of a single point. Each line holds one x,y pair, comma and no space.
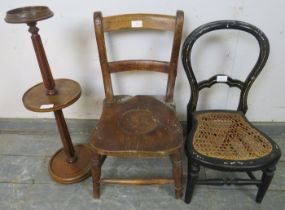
28,14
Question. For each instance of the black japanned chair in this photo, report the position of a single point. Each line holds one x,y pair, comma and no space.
221,139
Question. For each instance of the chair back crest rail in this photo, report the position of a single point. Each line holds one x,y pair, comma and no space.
244,86
138,22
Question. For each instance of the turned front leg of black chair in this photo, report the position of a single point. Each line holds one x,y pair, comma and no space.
266,180
193,173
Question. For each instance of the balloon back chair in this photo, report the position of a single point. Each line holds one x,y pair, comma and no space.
137,126
222,139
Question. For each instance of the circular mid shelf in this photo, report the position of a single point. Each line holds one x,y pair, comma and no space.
37,100
28,14
67,173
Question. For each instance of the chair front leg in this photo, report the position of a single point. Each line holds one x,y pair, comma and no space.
177,172
266,180
96,174
192,176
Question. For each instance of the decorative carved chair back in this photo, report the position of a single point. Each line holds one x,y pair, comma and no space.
139,22
244,86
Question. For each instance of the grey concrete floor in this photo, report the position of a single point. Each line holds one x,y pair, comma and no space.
27,145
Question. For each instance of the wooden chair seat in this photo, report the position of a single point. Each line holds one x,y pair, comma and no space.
228,136
139,125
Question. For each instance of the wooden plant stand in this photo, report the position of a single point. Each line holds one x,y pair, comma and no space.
70,164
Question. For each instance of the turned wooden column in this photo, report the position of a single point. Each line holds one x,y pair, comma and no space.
65,137
42,59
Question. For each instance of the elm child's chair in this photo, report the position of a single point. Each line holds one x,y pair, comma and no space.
221,139
137,126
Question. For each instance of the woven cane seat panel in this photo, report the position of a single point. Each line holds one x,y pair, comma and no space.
228,136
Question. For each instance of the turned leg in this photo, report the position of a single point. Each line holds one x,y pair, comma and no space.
192,176
96,174
177,173
266,180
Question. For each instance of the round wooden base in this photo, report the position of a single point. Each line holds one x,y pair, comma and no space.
67,173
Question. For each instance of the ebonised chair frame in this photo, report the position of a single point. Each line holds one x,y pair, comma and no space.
267,163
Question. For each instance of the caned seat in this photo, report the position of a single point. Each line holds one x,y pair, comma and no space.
228,136
222,139
143,125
